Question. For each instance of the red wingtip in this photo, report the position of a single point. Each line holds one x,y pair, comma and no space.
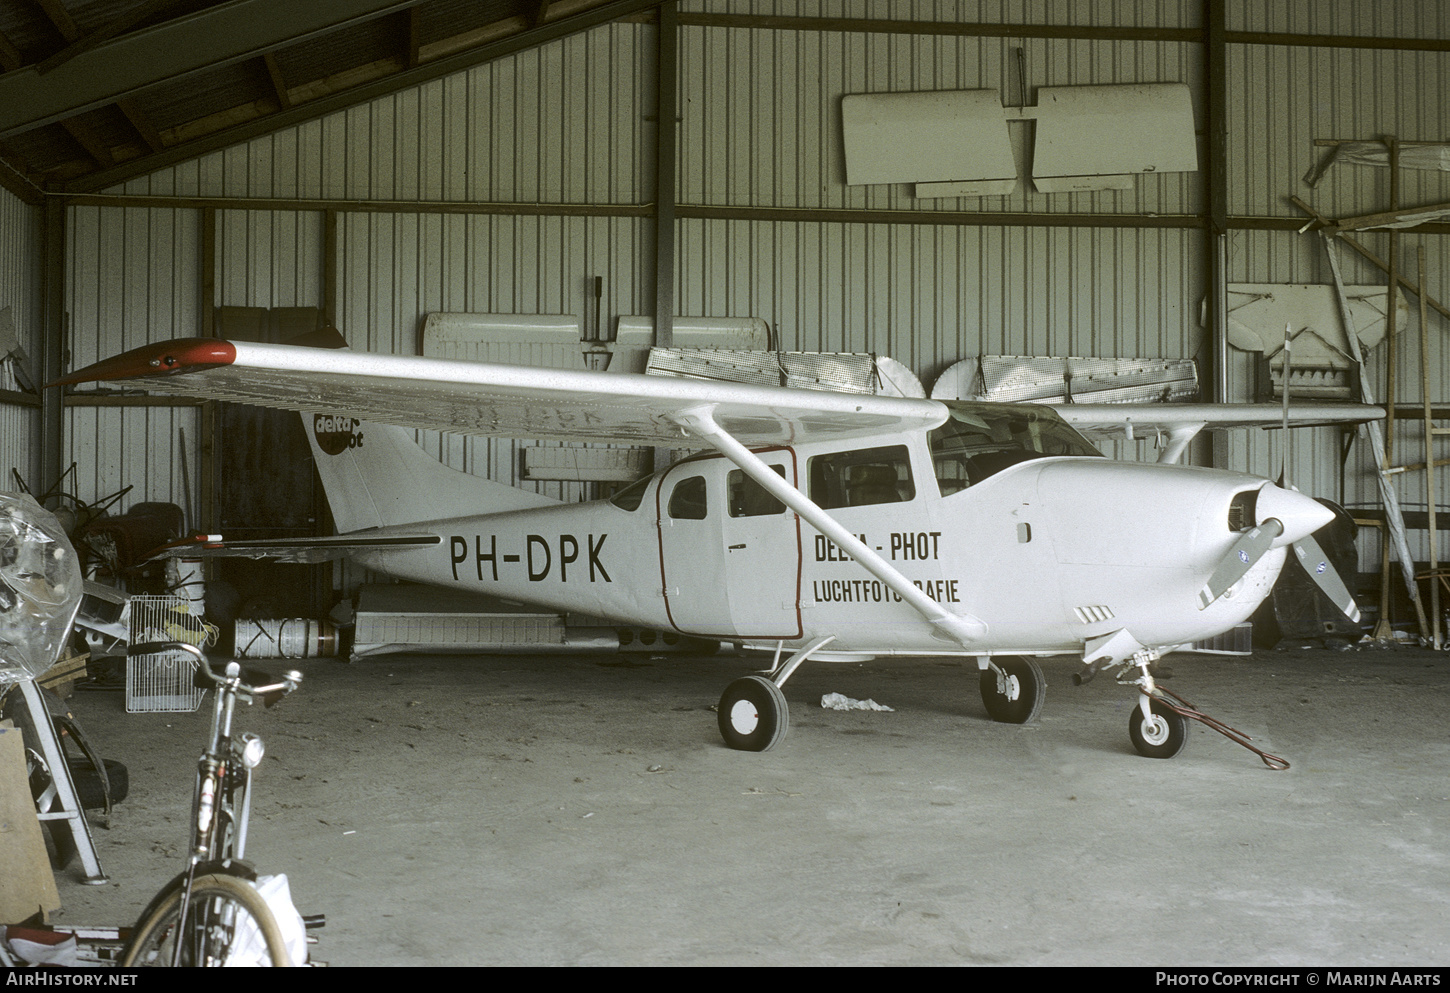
181,355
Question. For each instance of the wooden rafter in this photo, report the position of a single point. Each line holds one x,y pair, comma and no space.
88,139
279,85
60,17
84,43
9,54
414,36
360,83
142,123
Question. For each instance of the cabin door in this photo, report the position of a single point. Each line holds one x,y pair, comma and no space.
730,553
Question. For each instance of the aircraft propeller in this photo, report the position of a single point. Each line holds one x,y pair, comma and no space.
1285,517
1325,576
1255,542
1245,553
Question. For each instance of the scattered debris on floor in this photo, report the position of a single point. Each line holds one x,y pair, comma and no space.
839,701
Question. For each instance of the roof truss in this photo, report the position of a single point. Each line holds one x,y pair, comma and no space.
91,97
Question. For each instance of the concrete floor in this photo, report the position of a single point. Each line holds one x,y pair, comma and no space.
583,811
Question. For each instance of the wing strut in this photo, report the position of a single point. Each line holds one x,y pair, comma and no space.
963,629
1178,438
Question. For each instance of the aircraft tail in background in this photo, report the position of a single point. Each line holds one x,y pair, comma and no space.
377,475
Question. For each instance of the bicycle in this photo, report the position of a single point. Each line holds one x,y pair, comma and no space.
212,914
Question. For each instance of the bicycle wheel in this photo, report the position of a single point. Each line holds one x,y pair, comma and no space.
226,920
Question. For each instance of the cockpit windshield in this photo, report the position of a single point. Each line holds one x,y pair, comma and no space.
979,440
632,495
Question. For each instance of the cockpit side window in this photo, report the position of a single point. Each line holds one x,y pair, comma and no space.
747,498
861,477
980,440
687,499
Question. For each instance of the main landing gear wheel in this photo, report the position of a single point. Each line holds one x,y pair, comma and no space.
1015,695
753,714
1161,738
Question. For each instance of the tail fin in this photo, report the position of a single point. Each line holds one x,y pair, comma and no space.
376,475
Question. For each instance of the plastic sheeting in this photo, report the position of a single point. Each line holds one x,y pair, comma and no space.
40,587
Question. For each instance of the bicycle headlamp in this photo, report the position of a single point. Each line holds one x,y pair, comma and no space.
252,750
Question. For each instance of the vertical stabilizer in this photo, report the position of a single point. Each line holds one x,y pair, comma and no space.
376,475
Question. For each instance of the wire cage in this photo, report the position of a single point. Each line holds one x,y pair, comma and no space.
163,682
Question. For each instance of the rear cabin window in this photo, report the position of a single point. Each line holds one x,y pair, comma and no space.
687,499
861,478
747,498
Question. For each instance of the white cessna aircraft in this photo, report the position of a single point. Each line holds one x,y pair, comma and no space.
830,526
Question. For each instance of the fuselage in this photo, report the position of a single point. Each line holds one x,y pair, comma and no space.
1009,517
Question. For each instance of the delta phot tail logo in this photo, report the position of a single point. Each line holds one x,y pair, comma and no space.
336,434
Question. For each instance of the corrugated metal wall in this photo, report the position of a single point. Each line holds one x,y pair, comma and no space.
396,268
572,123
19,290
772,136
131,277
929,295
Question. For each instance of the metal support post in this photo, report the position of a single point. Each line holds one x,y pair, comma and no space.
1430,476
1393,518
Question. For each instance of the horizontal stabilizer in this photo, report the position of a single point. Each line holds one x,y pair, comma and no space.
294,550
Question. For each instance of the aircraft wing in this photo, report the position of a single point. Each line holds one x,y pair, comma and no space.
1140,420
503,401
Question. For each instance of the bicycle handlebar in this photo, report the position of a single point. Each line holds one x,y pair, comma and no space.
268,692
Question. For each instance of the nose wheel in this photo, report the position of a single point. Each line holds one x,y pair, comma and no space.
1013,689
754,716
1161,735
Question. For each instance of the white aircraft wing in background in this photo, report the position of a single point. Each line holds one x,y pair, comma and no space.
1180,422
501,401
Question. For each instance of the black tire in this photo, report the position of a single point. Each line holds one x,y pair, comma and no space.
1020,701
90,792
221,909
1164,738
754,716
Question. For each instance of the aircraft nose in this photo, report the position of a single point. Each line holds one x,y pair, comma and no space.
1300,515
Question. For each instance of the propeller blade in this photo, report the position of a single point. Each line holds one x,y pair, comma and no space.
1247,551
1317,564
